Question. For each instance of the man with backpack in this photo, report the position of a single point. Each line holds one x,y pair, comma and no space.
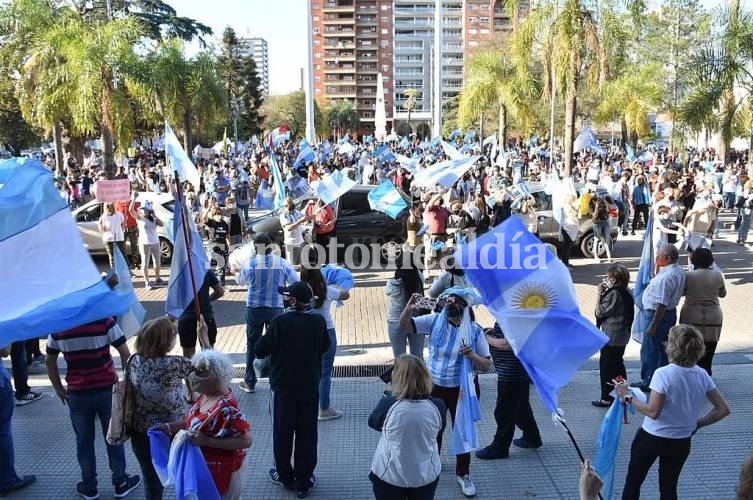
600,217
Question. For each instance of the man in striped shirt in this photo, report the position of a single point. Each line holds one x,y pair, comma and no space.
513,406
263,274
90,376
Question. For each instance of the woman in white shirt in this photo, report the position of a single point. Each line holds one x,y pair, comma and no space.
678,393
111,227
323,296
148,240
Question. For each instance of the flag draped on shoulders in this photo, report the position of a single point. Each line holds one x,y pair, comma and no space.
467,413
531,295
50,282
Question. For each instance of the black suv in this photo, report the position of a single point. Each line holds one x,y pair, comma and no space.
356,222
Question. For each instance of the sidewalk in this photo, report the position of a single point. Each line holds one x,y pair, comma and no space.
45,446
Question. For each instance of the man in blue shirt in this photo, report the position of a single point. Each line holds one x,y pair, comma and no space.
221,187
640,200
264,274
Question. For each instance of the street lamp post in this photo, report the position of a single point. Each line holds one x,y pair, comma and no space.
235,104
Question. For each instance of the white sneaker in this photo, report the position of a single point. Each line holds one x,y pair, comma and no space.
466,485
329,414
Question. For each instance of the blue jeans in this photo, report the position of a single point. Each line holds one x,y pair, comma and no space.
742,232
653,352
8,476
257,319
85,409
328,361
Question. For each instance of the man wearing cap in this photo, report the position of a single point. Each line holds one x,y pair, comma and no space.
263,274
295,342
452,335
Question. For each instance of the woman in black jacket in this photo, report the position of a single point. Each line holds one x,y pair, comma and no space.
614,316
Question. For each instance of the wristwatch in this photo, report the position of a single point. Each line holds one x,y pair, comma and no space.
628,398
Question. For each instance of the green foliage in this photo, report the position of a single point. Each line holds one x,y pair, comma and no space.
15,132
250,120
290,109
343,116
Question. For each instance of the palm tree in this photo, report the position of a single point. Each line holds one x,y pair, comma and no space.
497,79
722,81
411,103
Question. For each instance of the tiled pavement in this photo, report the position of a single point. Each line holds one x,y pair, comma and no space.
45,441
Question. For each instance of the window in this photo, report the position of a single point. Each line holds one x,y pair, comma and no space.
484,31
384,31
318,66
317,55
385,7
385,19
317,91
316,31
474,7
473,43
316,18
354,204
485,7
384,43
385,67
317,41
473,31
317,79
473,19
485,20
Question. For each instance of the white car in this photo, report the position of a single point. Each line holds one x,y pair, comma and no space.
87,220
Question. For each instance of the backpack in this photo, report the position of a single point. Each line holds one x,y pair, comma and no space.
242,194
601,211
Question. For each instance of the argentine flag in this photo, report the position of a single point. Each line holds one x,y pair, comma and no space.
333,186
455,133
386,198
410,164
131,321
345,138
405,143
445,173
179,160
279,135
277,179
492,139
451,151
49,281
470,136
645,273
531,294
383,154
305,154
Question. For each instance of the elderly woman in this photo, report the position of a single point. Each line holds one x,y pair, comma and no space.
614,316
157,380
406,462
678,394
704,286
216,423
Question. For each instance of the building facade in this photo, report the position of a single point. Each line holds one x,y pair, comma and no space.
257,48
353,40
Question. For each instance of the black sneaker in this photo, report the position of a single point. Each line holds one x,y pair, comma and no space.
22,482
130,484
30,397
304,492
523,443
274,476
86,494
492,453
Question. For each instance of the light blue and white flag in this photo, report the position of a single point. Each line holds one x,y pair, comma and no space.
179,160
467,147
492,139
467,413
629,153
180,289
642,279
131,320
333,186
383,154
344,139
451,151
404,143
305,153
445,173
279,135
386,198
530,293
277,179
455,133
470,136
646,156
369,139
49,281
391,137
435,142
410,164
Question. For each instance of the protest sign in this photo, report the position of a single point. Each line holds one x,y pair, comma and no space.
112,191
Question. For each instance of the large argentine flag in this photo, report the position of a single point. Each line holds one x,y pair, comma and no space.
305,154
386,198
451,151
331,187
531,294
410,164
180,291
445,173
179,159
49,282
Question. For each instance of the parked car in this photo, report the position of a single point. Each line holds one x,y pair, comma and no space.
356,222
87,220
549,228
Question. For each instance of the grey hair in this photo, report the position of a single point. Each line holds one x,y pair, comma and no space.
671,252
218,365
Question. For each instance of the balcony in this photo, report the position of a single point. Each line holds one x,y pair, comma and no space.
333,7
339,33
368,58
367,70
341,94
367,8
366,20
336,58
366,34
412,11
340,46
339,70
334,21
328,81
366,107
367,83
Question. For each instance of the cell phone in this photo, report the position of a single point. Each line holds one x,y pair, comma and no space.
426,303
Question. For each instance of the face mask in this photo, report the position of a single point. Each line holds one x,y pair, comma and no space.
454,311
217,218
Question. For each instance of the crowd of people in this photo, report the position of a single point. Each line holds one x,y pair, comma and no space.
290,329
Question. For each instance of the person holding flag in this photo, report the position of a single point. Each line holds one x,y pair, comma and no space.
453,335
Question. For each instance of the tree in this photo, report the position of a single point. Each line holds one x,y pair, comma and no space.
250,118
410,104
290,109
721,81
229,63
495,78
15,132
342,116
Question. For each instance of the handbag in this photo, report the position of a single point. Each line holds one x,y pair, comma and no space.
123,406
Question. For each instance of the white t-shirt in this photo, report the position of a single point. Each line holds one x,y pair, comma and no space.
333,293
685,391
147,232
292,236
113,227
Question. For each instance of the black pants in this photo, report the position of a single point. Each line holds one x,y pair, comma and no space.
152,485
644,451
295,415
641,209
708,357
387,491
513,409
611,365
20,368
450,397
565,247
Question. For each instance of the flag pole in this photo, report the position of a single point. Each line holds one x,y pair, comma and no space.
557,418
184,223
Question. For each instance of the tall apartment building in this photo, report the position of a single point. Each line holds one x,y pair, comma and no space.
355,39
257,48
352,42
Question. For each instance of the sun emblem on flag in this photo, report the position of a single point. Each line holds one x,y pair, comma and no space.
535,295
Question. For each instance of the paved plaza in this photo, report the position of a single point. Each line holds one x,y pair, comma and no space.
45,443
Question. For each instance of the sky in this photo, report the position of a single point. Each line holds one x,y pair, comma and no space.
283,24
